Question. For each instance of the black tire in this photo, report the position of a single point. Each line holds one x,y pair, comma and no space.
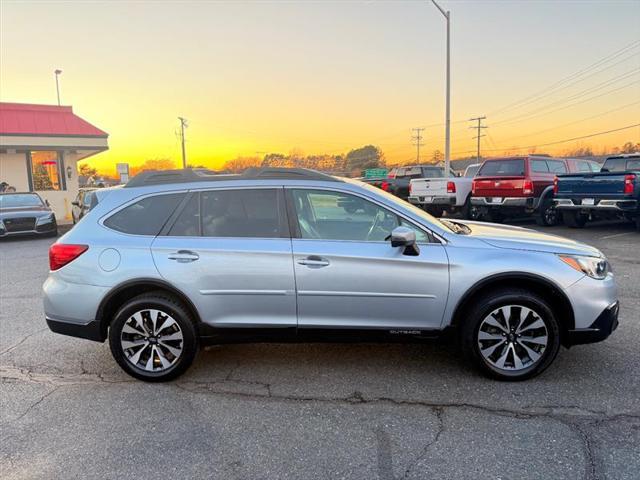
435,211
169,305
574,219
493,216
465,210
482,308
547,215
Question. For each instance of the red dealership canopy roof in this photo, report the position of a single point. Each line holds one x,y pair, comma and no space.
44,120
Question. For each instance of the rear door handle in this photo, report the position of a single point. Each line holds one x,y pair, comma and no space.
184,256
314,261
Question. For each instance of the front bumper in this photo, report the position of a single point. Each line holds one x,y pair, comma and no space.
598,331
44,229
613,205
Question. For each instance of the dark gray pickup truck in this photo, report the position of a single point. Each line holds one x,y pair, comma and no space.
614,192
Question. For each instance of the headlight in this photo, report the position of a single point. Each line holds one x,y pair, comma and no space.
595,267
45,219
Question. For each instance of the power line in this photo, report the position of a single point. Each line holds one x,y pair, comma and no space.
575,96
511,121
556,127
417,139
562,141
562,81
478,136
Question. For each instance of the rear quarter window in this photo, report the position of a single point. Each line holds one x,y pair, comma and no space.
146,216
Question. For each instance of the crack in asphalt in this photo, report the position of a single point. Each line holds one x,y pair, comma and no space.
576,418
439,412
21,341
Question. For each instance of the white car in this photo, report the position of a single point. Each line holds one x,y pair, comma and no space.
437,195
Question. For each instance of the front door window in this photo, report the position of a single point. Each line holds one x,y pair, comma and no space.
326,215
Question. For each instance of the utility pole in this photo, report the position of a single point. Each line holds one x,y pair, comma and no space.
417,138
478,127
183,125
447,128
57,72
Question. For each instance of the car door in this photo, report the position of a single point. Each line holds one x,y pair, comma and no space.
349,276
229,250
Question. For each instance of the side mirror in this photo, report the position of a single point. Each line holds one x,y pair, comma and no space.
46,202
405,237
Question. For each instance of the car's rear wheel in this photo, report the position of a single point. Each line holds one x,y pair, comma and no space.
547,214
574,219
153,337
511,334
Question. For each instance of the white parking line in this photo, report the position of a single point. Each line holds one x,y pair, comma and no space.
617,235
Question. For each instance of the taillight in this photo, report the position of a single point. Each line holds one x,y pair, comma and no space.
527,187
555,186
385,186
629,180
60,254
451,187
473,187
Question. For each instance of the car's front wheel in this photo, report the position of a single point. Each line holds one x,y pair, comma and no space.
153,337
511,334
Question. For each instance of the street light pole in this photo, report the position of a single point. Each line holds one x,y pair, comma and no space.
447,128
58,72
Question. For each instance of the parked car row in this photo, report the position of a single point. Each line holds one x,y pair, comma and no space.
549,189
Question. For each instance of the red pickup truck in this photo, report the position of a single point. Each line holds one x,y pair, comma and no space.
517,186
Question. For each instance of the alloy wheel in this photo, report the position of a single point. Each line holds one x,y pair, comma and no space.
151,340
512,338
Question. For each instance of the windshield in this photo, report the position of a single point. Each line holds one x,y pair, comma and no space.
472,171
621,164
433,172
429,220
509,167
20,200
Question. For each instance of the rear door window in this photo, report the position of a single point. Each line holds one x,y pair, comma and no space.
557,166
583,166
539,166
145,217
256,213
509,167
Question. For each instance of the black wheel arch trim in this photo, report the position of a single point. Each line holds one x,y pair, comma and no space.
567,324
152,282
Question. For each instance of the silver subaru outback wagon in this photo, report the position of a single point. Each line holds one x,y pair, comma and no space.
180,259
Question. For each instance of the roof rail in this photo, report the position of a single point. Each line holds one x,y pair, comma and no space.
188,175
288,173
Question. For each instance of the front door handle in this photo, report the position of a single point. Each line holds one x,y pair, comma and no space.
314,261
184,256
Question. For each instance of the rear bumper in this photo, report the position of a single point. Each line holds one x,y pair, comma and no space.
616,205
598,331
427,200
89,331
522,202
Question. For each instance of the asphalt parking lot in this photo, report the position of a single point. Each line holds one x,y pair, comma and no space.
373,411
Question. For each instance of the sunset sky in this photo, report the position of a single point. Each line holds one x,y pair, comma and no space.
327,76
